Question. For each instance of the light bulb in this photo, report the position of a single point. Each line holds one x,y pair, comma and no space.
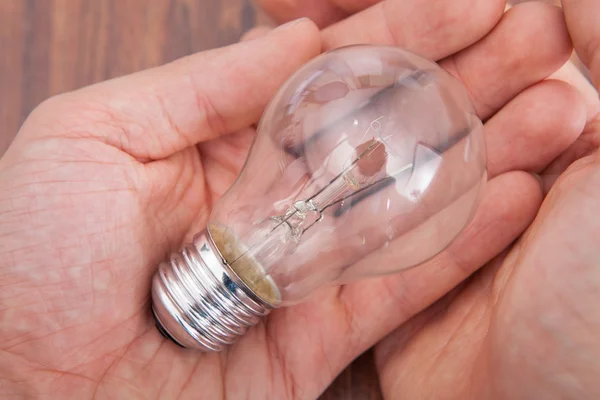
369,160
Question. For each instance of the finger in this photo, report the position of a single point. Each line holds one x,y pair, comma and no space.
534,128
353,6
586,145
570,74
322,12
432,28
357,316
156,113
255,33
519,52
582,20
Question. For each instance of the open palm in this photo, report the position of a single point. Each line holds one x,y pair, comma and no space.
101,184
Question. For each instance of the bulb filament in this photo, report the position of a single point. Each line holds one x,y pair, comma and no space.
370,159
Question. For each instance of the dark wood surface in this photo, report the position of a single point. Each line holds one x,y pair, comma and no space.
52,46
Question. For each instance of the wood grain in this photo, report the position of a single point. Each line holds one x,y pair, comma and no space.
52,46
358,382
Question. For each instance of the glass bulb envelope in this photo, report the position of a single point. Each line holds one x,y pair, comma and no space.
369,160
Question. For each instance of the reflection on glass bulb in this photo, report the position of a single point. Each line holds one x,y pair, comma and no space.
369,160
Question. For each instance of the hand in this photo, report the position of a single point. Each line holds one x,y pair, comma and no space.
102,183
526,326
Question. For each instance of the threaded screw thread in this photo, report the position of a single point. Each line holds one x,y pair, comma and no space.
200,302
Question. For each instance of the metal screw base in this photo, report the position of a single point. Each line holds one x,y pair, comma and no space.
199,302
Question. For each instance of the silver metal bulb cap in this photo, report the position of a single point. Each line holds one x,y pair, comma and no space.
198,300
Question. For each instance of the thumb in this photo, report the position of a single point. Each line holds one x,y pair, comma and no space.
158,112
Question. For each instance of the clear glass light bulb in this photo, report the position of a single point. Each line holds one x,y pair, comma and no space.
369,160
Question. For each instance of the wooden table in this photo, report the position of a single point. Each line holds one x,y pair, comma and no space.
51,46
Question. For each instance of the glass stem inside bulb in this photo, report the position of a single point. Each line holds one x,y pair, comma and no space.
280,239
253,255
334,191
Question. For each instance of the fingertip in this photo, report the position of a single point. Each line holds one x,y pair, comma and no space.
301,35
570,113
547,26
533,129
519,52
570,74
434,28
490,13
567,120
255,33
527,194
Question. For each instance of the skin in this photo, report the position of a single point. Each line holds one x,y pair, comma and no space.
526,324
101,184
